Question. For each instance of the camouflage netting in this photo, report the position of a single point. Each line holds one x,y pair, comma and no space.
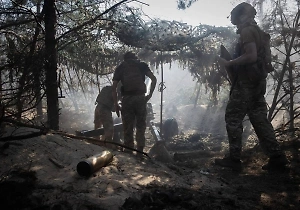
163,35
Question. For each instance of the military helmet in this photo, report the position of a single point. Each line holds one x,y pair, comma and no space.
129,55
242,9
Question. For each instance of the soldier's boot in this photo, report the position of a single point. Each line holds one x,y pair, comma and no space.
229,162
140,154
276,163
128,151
128,145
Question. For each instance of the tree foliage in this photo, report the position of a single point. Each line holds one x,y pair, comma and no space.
283,23
81,32
183,4
91,37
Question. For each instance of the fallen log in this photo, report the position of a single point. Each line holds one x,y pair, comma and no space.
80,135
194,154
22,137
100,131
96,141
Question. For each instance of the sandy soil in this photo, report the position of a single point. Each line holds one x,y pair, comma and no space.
41,173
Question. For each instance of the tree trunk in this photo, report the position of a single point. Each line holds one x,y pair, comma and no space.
38,95
51,65
37,81
291,106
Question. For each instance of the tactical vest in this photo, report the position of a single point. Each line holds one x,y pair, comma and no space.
133,79
256,71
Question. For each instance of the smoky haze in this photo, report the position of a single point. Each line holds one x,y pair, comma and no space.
179,97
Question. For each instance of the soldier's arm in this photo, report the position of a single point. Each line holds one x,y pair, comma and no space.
115,97
153,84
250,56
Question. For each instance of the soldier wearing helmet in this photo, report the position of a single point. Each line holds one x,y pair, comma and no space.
132,74
247,95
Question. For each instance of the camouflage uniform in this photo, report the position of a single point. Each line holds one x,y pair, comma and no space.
247,97
103,117
103,113
134,114
132,73
247,94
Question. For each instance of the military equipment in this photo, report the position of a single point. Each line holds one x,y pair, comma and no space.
170,128
100,131
89,166
159,151
226,55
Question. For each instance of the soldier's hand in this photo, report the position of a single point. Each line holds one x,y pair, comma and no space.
223,62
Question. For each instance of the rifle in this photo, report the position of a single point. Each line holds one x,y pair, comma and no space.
230,70
226,55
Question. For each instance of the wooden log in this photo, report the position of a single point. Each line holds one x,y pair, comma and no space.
194,154
100,131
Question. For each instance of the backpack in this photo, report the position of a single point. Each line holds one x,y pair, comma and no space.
259,70
264,53
132,78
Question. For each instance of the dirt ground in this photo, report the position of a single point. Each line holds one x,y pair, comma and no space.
41,172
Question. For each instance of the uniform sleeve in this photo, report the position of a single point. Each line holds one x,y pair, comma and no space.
117,74
144,67
247,35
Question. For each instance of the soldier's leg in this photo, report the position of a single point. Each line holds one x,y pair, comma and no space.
97,119
266,135
141,115
264,129
128,118
107,124
235,112
265,132
118,135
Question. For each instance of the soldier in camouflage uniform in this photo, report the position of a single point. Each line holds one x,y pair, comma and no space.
247,95
103,113
131,72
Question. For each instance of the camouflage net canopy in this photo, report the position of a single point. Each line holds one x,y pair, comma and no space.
162,35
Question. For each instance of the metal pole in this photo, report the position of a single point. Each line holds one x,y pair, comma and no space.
161,92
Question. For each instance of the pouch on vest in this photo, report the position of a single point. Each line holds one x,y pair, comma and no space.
264,53
255,72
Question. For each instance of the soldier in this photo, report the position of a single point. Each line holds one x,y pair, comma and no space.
103,113
247,95
131,72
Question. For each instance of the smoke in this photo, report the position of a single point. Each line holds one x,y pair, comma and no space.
179,96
